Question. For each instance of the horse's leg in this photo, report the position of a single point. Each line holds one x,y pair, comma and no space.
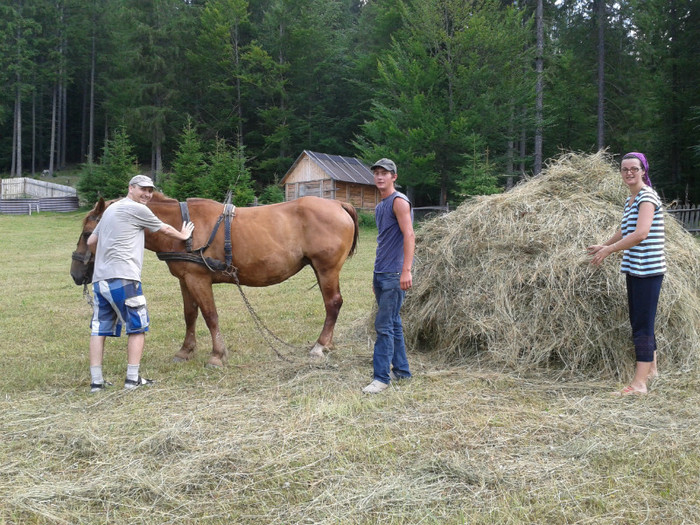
329,283
201,291
191,311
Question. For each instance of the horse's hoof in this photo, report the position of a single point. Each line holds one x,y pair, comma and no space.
215,363
179,359
317,351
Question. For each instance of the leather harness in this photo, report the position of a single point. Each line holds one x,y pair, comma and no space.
197,255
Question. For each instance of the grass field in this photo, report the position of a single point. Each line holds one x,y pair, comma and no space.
270,441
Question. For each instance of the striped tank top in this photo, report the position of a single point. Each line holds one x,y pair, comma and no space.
647,258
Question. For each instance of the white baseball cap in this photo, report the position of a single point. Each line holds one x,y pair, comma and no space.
142,180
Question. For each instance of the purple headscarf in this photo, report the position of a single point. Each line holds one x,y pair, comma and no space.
645,164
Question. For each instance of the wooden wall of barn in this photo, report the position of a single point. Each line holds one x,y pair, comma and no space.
309,179
359,195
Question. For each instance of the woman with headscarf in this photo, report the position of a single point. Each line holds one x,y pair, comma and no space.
641,239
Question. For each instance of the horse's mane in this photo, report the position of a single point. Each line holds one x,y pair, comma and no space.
157,197
160,197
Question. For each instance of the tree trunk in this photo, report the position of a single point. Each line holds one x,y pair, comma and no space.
523,146
52,145
239,98
63,95
64,131
539,65
59,122
601,73
675,105
18,128
153,163
84,119
34,132
13,162
159,159
510,154
157,153
91,132
61,153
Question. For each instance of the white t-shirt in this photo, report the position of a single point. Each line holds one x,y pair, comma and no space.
120,240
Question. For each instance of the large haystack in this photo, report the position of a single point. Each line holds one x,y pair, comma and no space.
507,277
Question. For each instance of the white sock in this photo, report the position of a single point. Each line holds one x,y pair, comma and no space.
96,375
132,372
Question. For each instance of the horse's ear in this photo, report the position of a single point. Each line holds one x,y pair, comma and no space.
100,206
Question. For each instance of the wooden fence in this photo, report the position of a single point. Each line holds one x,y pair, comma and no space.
29,206
23,187
23,195
688,216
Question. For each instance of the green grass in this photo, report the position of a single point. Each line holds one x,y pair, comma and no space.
269,441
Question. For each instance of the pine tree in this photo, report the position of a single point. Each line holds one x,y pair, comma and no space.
478,173
227,172
109,179
189,167
454,70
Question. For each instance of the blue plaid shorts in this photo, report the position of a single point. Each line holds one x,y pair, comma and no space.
118,302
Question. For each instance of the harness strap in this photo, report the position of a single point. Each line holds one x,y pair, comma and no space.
185,212
214,265
229,213
213,234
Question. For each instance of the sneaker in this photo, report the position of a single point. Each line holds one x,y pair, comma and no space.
99,387
130,384
394,377
375,387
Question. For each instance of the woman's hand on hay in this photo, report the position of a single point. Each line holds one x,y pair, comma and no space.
599,253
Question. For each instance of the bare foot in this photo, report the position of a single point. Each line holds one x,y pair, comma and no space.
629,391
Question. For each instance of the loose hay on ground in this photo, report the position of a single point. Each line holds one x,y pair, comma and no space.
507,278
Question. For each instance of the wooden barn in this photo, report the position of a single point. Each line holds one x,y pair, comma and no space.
331,177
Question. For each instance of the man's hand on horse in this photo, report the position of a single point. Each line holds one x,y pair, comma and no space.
187,229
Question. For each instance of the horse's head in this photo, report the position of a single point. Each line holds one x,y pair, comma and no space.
83,262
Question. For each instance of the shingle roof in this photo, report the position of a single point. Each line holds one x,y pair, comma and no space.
346,169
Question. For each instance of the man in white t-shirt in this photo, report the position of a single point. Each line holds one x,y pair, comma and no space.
119,245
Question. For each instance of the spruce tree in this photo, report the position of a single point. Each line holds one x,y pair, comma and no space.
228,171
110,178
189,167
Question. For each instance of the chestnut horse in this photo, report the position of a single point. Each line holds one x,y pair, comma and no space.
269,245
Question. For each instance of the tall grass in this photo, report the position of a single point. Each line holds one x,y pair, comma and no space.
269,441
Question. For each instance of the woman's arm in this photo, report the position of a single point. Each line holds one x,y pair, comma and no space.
617,242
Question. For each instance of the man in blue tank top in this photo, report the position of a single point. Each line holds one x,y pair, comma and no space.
396,244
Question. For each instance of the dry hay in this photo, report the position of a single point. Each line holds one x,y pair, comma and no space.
507,278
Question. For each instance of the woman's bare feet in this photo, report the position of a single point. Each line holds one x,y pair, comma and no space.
630,391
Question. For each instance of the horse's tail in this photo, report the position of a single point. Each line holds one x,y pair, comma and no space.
350,209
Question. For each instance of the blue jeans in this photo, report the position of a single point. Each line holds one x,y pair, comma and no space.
389,348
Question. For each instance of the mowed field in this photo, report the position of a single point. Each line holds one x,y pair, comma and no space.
294,441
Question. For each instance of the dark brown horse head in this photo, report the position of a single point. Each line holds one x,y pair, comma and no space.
83,260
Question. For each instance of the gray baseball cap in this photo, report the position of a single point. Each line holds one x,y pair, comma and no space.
142,180
387,164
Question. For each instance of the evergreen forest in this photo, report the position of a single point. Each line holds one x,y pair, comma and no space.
467,96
